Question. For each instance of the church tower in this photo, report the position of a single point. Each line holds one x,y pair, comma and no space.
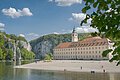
74,35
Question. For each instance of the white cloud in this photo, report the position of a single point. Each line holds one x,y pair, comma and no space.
66,2
22,35
70,19
2,26
85,29
13,13
78,17
31,36
56,33
50,0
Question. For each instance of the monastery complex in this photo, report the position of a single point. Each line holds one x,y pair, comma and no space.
88,49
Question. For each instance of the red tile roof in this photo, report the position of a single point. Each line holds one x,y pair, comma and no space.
64,45
91,41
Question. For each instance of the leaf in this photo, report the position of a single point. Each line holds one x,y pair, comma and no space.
118,63
95,4
81,23
88,7
84,10
104,54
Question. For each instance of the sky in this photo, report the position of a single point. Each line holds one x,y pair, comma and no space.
34,18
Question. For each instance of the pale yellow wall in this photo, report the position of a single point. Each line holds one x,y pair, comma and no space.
80,52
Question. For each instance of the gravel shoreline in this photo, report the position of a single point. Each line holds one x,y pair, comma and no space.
74,65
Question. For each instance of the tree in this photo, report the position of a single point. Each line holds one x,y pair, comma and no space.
48,57
51,55
1,40
1,54
27,55
106,18
9,55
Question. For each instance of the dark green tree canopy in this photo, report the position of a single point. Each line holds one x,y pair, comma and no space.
106,18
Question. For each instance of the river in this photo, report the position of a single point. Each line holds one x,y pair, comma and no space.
7,72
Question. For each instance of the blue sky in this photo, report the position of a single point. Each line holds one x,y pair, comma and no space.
34,18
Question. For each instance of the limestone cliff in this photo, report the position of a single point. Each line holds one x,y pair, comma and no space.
11,46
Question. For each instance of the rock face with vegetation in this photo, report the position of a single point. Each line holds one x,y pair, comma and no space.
45,44
14,47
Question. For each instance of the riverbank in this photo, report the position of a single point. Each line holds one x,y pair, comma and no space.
73,65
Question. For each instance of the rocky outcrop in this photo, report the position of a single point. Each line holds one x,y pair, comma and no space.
42,48
15,46
12,46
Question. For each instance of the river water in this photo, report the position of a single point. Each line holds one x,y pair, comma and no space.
7,72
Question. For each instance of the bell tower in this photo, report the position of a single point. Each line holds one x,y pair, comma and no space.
74,35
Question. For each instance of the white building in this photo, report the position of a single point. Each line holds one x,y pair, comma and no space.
90,48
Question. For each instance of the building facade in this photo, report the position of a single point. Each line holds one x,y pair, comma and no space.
88,49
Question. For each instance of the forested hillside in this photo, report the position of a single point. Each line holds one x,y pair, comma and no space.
45,44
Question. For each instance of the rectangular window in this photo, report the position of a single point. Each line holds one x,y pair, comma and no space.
99,47
96,51
89,51
86,52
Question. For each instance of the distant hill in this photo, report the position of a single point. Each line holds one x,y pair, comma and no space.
45,44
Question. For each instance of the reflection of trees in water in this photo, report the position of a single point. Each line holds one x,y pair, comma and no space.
7,72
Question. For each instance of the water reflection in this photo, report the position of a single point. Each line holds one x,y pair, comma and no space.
9,73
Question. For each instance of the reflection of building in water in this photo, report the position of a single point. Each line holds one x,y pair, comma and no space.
28,74
89,48
112,76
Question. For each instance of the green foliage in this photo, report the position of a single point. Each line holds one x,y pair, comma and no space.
51,55
27,55
14,37
105,53
1,40
48,56
9,55
106,18
21,38
1,54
